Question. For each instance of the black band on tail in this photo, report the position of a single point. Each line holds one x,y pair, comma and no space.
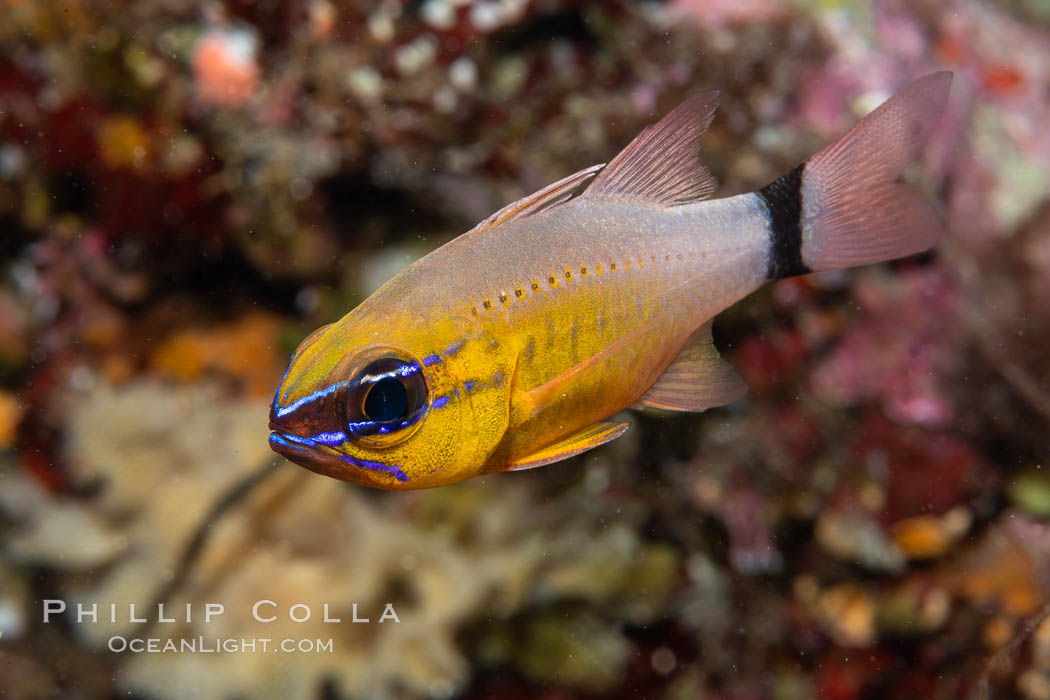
783,197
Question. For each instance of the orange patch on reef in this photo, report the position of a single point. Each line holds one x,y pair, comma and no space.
225,71
1002,80
122,142
999,572
929,536
245,351
10,414
951,49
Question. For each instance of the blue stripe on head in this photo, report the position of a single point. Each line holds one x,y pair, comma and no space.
406,370
454,348
398,473
282,411
431,360
276,438
440,402
367,427
292,440
333,438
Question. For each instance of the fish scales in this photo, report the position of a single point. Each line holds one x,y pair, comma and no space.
682,264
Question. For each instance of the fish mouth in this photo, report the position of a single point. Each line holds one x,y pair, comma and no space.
305,452
302,451
327,460
285,442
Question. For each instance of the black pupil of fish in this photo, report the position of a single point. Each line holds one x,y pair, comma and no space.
386,401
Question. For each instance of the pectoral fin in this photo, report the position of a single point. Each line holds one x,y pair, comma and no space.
697,380
580,441
544,395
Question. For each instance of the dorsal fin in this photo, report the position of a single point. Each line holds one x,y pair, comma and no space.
697,380
550,196
662,164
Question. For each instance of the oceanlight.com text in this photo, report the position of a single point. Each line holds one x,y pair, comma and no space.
218,645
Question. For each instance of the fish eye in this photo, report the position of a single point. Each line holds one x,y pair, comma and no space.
386,398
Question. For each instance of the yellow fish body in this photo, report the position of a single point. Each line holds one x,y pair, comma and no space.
512,345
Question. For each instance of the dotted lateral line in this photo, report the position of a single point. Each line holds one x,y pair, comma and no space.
554,280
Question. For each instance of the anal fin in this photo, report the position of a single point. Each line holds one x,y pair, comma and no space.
697,380
582,440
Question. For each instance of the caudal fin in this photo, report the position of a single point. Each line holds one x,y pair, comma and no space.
852,209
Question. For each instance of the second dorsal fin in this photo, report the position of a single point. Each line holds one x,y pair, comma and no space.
662,164
550,196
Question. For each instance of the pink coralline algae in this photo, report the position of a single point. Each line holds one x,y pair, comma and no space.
903,352
224,67
751,548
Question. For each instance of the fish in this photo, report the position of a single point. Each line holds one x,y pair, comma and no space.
514,345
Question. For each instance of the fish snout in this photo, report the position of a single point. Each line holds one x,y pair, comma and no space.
275,424
316,412
279,441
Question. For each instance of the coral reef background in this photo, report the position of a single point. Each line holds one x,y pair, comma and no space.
187,189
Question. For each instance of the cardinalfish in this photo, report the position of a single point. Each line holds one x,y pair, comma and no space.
512,346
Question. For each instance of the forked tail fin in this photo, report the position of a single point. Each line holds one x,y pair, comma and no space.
844,206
